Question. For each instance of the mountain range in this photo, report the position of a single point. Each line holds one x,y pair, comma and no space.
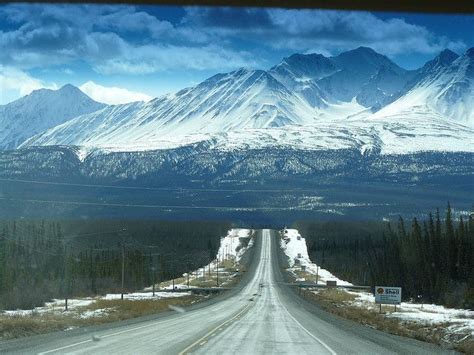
357,99
352,135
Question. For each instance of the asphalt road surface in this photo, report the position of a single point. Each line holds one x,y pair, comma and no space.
264,316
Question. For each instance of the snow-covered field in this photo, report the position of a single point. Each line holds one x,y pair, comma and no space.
457,321
408,132
231,246
294,246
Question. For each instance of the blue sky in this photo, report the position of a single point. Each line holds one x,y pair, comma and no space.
121,53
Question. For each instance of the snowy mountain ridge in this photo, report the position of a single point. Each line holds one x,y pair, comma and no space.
41,110
359,99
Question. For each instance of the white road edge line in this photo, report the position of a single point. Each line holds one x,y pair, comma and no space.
328,348
65,347
212,331
101,337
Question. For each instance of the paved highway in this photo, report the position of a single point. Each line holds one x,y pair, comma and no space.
264,316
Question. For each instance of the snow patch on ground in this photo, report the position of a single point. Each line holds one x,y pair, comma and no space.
135,296
76,306
96,313
231,246
294,246
459,320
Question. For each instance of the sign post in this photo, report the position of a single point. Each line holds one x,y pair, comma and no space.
388,295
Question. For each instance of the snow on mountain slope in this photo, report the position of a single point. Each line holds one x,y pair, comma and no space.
400,135
291,106
41,110
362,73
445,91
225,102
382,86
300,72
365,74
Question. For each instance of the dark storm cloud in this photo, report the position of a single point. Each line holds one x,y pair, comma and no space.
225,17
109,38
328,31
127,39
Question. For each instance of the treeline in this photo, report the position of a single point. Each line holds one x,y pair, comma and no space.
41,260
432,259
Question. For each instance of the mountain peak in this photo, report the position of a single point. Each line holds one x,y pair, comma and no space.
303,66
470,52
447,56
360,52
363,49
443,59
68,87
300,56
41,110
364,61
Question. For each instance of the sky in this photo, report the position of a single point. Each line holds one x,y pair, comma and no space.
123,53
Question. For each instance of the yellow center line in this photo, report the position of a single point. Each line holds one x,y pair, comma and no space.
203,340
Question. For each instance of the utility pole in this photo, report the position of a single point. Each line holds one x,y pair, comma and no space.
187,276
66,279
217,270
173,272
317,274
153,276
174,264
123,270
123,263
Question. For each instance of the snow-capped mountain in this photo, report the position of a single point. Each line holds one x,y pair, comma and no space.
304,102
225,102
361,73
444,89
41,110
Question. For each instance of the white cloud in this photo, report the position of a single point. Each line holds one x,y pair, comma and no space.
157,58
112,95
15,83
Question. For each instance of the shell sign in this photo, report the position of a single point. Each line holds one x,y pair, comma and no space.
388,295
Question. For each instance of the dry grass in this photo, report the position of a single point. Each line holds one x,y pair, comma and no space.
306,275
466,347
20,326
15,327
125,309
336,301
336,295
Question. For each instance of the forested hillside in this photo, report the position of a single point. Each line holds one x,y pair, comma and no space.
432,259
40,260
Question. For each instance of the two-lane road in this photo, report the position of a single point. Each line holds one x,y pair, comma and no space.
264,317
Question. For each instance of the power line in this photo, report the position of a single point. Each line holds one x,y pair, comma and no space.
176,189
169,207
24,230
